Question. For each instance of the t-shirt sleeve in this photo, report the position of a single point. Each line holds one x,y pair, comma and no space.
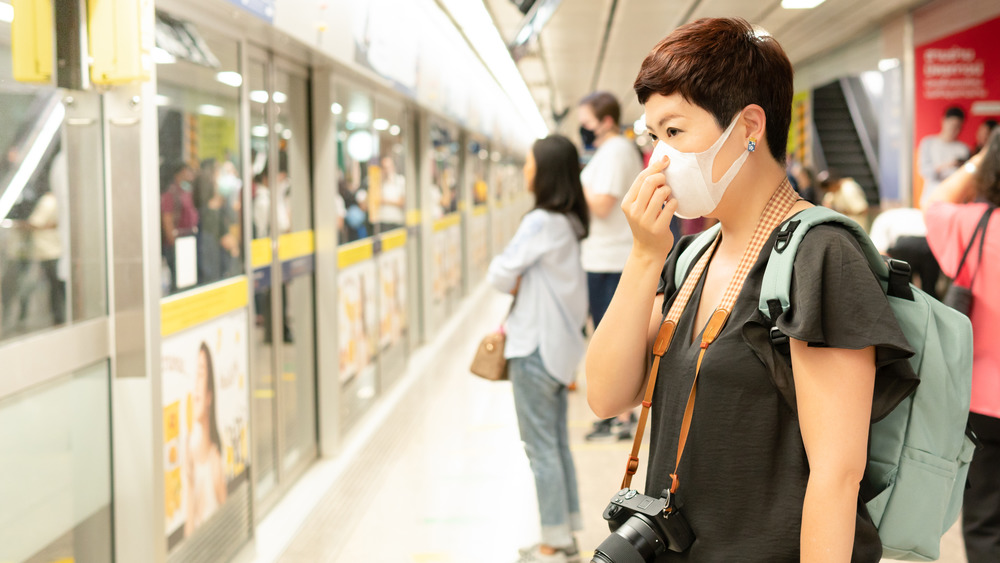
836,301
613,172
949,229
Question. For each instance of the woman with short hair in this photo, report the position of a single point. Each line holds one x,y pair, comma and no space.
767,474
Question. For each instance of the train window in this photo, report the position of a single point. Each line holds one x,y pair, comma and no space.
356,152
200,179
444,195
388,186
52,229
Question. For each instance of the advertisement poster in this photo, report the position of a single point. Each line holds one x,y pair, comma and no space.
205,413
392,304
453,257
358,320
439,266
962,70
479,241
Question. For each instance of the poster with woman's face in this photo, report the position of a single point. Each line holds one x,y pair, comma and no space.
439,265
358,319
205,413
453,257
392,304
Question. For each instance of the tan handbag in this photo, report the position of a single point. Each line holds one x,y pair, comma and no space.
489,362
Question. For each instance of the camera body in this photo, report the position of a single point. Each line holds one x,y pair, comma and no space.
644,526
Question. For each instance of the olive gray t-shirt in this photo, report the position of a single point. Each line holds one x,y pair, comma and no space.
744,471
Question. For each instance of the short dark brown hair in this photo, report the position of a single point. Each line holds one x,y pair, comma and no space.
723,65
604,104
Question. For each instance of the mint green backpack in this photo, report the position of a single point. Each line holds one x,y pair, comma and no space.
920,452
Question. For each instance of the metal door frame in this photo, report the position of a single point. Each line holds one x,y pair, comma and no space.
273,64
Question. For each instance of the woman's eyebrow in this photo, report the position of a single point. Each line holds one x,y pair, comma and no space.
666,118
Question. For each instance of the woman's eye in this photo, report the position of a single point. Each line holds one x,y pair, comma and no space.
672,131
654,137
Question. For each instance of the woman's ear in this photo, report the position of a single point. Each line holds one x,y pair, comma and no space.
755,121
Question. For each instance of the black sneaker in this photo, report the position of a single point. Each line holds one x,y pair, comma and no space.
625,435
602,429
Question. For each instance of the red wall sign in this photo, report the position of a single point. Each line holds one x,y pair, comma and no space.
961,70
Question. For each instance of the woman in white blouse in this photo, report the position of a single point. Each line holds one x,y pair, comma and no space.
545,341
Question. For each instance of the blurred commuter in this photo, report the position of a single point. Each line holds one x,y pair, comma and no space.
216,244
178,214
805,182
606,179
844,195
48,250
983,133
392,206
545,342
952,213
942,153
767,474
901,234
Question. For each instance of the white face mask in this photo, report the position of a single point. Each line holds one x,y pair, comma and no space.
689,176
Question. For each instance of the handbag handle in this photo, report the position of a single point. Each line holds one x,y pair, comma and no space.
979,233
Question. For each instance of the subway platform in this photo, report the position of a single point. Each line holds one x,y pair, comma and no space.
437,474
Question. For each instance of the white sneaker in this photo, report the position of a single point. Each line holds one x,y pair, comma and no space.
572,552
534,555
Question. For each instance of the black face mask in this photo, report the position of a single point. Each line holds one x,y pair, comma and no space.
588,136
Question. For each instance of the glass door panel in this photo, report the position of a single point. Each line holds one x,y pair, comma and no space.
293,205
262,352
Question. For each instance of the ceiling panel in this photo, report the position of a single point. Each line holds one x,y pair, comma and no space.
570,43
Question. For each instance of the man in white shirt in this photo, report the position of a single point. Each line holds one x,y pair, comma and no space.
942,154
606,179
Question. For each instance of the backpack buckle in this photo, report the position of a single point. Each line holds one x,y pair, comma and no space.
785,236
899,279
779,341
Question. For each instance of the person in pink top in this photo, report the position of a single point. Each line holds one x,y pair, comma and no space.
952,213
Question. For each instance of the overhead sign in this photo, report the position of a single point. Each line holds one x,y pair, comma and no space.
263,9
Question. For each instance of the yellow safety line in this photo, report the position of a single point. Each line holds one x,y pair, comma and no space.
261,253
185,311
296,245
354,253
393,239
413,217
447,221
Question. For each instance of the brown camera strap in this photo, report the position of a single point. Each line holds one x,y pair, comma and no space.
781,202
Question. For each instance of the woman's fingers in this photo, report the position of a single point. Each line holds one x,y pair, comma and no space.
655,167
655,205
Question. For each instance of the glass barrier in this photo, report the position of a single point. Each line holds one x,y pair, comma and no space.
200,179
55,471
52,243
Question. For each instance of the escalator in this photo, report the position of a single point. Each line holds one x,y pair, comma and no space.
846,133
29,148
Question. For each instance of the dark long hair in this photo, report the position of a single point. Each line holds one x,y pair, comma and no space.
557,179
988,176
213,426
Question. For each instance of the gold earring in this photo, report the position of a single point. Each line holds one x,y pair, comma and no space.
752,145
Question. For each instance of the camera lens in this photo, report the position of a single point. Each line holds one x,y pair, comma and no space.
635,541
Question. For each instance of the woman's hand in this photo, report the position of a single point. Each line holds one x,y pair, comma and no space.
649,208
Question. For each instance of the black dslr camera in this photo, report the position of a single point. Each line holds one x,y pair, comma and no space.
642,528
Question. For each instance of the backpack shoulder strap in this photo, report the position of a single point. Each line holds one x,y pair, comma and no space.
687,258
776,286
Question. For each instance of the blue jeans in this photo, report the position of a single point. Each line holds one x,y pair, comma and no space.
601,288
540,402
